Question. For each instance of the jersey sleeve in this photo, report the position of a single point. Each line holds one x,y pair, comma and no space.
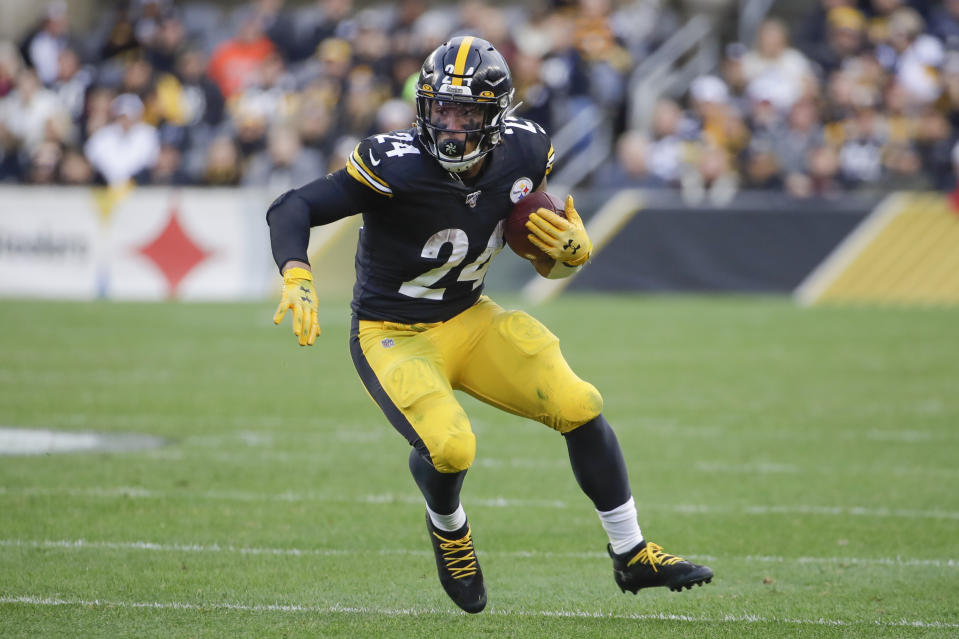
322,201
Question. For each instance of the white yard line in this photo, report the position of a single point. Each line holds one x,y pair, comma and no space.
491,502
86,544
560,464
429,612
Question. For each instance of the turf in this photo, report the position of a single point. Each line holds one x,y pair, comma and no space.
809,456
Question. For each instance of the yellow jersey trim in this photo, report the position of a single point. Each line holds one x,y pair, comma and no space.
362,174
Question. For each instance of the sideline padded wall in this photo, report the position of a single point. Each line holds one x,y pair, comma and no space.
905,252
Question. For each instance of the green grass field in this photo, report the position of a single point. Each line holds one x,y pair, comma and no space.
808,456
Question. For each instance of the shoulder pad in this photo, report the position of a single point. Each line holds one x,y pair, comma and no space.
363,166
535,141
514,124
381,162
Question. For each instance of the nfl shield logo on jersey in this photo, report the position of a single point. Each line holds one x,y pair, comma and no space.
471,199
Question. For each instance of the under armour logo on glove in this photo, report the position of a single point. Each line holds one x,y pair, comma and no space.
560,238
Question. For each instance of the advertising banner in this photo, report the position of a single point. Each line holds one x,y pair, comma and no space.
144,244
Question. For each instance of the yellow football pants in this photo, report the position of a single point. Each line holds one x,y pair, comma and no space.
504,358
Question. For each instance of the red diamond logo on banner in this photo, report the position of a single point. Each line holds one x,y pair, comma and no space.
173,252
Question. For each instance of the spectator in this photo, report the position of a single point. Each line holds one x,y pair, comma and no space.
762,168
774,56
822,180
710,179
9,158
127,146
365,92
73,80
43,48
235,62
902,168
138,79
371,44
342,150
733,75
879,12
914,56
709,99
10,65
148,21
944,23
222,166
629,168
168,169
532,94
394,115
285,164
43,163
28,110
844,38
812,30
270,91
327,20
188,96
802,133
167,44
314,124
119,34
250,126
97,114
75,170
865,135
667,148
933,142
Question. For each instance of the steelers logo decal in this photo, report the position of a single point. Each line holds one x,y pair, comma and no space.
521,188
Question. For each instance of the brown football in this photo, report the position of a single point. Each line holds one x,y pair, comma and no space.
516,231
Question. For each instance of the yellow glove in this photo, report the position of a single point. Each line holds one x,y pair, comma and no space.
299,294
564,240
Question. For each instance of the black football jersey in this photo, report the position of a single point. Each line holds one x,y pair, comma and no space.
427,238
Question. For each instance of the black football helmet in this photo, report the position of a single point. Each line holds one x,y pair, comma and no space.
463,71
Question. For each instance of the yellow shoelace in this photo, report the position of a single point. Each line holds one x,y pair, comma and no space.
459,565
653,556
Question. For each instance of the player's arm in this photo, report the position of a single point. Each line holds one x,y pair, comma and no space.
565,245
290,218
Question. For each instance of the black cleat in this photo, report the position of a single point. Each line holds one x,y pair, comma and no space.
647,566
458,567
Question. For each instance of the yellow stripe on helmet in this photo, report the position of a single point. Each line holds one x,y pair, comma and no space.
459,67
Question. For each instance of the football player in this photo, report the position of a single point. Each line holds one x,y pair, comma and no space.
434,199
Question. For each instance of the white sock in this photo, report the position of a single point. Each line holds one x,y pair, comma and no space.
451,522
622,527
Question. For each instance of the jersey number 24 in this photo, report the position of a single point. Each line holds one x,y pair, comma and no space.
475,271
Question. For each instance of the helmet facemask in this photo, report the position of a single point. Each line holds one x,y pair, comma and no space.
460,132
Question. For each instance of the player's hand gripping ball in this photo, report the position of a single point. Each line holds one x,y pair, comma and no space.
539,225
517,235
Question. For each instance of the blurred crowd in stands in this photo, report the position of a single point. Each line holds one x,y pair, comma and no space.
858,95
